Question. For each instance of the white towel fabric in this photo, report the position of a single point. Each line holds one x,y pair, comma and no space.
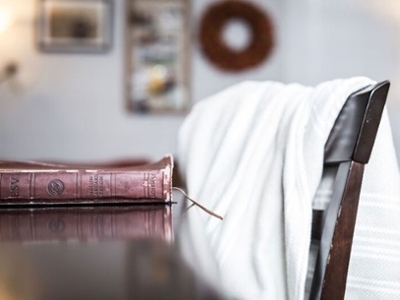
254,154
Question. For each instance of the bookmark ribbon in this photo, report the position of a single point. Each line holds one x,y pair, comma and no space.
210,212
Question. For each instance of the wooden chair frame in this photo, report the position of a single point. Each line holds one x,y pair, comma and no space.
349,146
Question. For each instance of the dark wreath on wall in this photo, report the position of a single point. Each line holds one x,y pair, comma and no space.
218,52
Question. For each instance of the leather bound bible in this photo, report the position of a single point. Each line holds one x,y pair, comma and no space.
26,183
86,223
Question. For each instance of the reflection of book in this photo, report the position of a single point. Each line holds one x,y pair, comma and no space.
41,183
86,223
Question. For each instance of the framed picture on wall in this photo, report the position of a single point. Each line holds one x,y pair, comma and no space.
157,77
75,26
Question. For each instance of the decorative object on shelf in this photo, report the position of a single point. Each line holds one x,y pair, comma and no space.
157,54
215,48
81,26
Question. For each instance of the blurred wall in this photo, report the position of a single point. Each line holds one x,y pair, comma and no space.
71,107
343,38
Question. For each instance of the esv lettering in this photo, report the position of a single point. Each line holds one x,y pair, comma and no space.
14,188
152,185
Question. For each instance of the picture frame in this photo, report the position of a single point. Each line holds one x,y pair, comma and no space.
157,56
75,26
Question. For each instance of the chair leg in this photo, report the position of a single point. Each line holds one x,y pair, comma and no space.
329,282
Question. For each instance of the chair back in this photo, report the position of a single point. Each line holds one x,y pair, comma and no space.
349,147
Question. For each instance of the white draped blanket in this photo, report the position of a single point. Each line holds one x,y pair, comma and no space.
254,154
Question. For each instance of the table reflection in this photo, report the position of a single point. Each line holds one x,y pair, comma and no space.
84,223
97,252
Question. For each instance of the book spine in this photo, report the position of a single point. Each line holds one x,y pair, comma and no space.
33,225
82,186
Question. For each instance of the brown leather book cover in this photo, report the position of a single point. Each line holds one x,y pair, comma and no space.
42,183
86,223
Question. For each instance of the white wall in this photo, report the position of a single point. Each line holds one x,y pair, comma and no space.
71,107
341,38
337,38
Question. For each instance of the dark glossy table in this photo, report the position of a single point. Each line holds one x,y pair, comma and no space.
99,252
